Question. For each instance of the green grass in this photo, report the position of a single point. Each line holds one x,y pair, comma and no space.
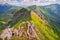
42,25
16,38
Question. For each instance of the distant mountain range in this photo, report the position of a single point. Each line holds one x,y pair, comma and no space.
4,8
55,8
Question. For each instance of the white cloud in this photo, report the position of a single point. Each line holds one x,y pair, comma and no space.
38,2
28,2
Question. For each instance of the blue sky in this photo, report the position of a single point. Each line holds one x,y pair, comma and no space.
29,2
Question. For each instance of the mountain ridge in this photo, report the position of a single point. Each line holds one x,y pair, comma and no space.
40,18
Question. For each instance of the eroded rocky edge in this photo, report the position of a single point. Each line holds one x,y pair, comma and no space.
25,29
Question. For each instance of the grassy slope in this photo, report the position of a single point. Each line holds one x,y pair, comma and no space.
43,26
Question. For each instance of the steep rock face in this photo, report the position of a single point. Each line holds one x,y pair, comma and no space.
23,13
